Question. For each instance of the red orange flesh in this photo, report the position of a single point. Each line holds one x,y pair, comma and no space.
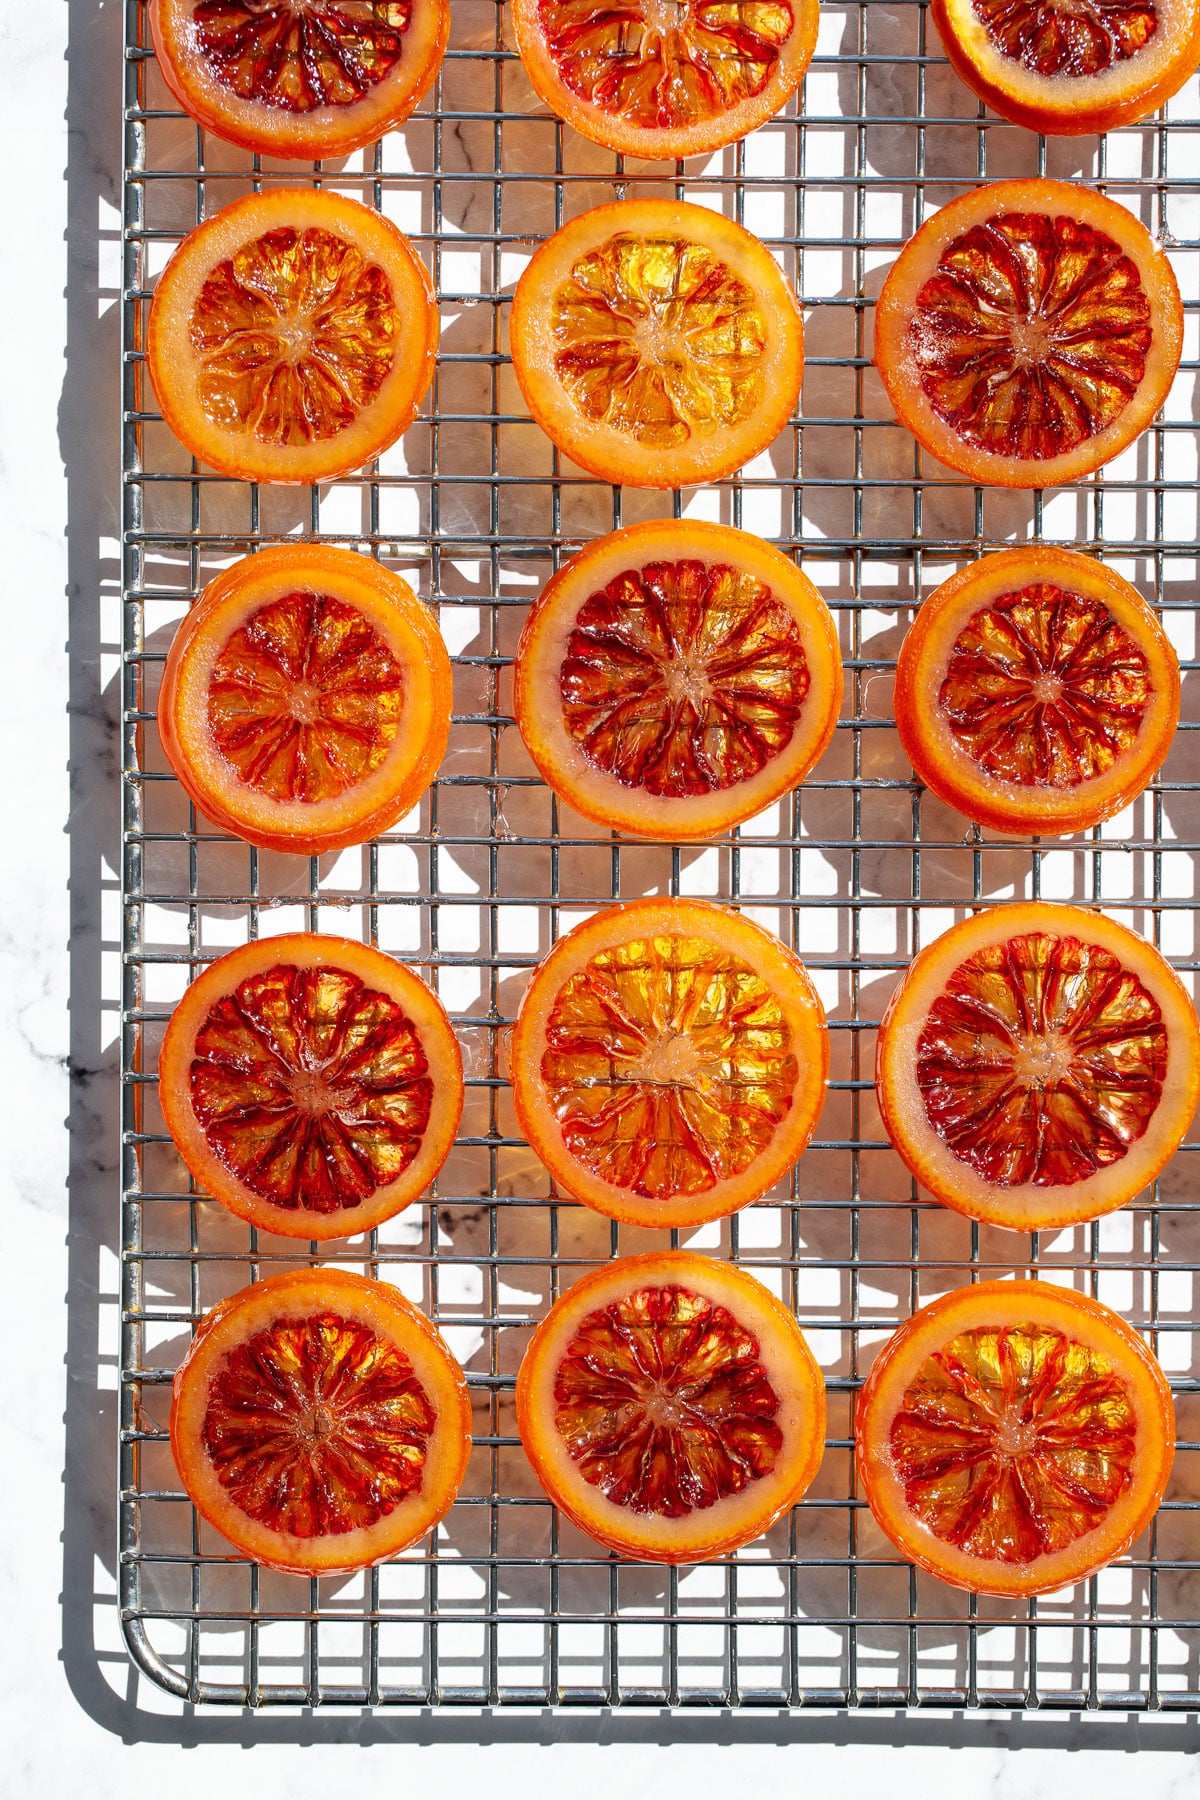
671,1407
319,1422
1014,1437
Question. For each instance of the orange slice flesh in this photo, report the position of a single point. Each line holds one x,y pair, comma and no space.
656,343
292,336
676,677
1036,691
305,702
1028,332
668,1062
315,80
1038,1065
671,1408
319,1422
311,1084
1058,67
1014,1437
650,78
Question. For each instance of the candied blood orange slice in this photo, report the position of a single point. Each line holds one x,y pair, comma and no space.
1061,67
671,1408
1014,1437
665,78
676,677
319,1422
292,336
1028,332
311,1084
318,78
1036,691
305,702
668,1061
1037,1065
656,343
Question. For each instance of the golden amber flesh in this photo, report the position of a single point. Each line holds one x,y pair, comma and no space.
300,57
305,699
1032,335
311,1088
1067,37
1045,688
1013,1441
1041,1061
665,63
668,1064
658,338
317,1425
682,678
663,1403
295,335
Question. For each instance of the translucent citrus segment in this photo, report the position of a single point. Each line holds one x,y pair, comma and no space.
675,677
1036,691
305,703
683,678
666,63
299,78
659,338
1028,332
292,336
317,1425
656,343
1014,1437
1060,67
1013,1441
1068,39
1038,1065
323,53
670,1407
311,1084
1032,336
306,699
665,78
663,1404
319,1422
669,1066
668,1061
1045,688
312,1089
1042,1060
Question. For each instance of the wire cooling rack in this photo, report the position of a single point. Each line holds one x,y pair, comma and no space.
509,1603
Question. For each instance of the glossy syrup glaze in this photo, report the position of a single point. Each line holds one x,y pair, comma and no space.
664,1404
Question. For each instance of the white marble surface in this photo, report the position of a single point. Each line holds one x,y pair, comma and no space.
75,1718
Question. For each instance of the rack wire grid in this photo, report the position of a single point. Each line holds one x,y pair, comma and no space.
508,1602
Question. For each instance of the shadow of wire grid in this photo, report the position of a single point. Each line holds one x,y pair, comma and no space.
508,1603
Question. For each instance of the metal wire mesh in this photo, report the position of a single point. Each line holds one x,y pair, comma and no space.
511,1604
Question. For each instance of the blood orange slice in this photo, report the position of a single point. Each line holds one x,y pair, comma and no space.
311,1084
1036,691
292,336
676,677
319,1422
1028,332
656,343
307,80
305,702
668,1061
665,78
1014,1437
1060,67
1038,1065
671,1408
